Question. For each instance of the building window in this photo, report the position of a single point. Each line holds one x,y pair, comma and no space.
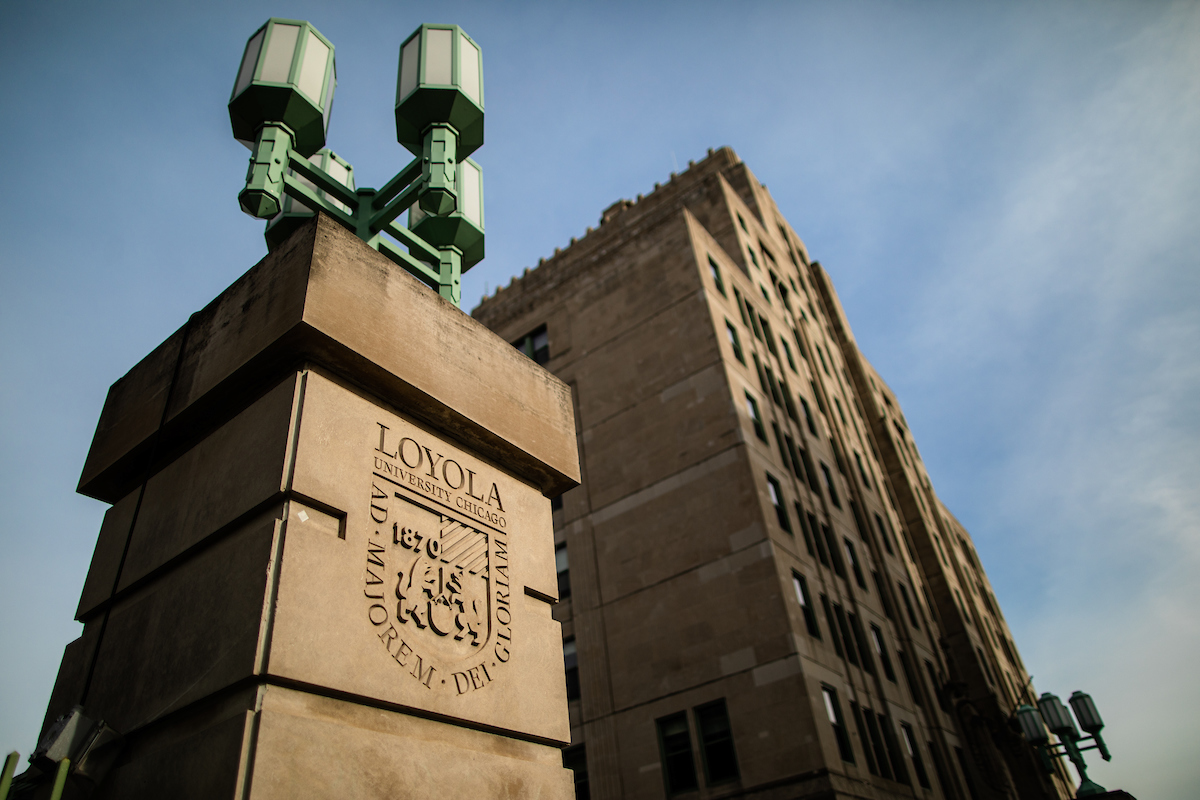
862,471
839,566
881,756
571,666
787,351
834,711
716,276
810,617
762,289
564,573
821,553
734,342
762,375
831,623
847,635
855,567
914,687
881,652
912,616
889,738
741,304
556,503
808,537
742,222
535,344
942,701
824,365
752,409
833,495
883,595
808,417
779,441
675,748
883,534
793,457
776,493
754,322
809,471
716,743
575,759
864,652
862,738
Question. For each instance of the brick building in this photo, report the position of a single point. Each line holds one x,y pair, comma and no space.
762,595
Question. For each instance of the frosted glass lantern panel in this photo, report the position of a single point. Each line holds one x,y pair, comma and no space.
469,192
468,68
277,61
249,61
438,46
312,68
408,66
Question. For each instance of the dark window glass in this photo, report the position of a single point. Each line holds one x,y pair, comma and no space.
942,701
805,528
575,759
754,318
810,617
834,711
864,532
881,652
774,387
883,534
817,396
769,336
862,738
755,417
564,572
831,623
821,355
912,615
787,351
838,566
783,454
833,495
762,375
893,748
864,651
862,470
741,304
914,753
847,636
675,746
776,493
571,665
881,756
914,687
716,275
822,554
734,343
716,743
535,344
883,595
841,414
742,222
808,470
855,567
799,343
793,457
556,503
808,417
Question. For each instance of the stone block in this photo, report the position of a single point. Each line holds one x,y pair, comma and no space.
114,533
328,299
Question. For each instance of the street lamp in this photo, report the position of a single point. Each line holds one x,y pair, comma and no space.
1051,712
280,109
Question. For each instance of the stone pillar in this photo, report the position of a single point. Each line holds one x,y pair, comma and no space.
328,569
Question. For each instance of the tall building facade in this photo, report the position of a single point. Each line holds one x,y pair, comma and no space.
761,594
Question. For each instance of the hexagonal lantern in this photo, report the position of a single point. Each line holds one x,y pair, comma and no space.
287,76
463,228
440,81
295,213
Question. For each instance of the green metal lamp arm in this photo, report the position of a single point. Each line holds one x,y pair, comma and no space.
400,180
293,187
321,179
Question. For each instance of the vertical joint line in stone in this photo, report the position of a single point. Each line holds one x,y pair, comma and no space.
294,433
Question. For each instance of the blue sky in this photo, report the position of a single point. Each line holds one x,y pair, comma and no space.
1007,196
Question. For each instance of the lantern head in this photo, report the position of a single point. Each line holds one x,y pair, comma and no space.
287,76
440,82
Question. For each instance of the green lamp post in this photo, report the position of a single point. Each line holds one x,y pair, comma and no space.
281,111
1051,713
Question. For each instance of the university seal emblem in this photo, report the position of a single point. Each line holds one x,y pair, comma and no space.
436,583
